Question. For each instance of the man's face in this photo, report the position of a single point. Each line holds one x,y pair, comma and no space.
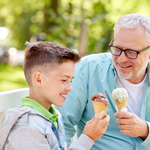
56,86
132,70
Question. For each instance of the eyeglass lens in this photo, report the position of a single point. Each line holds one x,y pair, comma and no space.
128,53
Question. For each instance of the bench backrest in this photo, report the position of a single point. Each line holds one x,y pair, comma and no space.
10,99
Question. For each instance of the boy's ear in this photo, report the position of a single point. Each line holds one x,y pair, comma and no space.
37,78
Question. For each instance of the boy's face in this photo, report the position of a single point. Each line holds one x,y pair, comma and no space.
55,87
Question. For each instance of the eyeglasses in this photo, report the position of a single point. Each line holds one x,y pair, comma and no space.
131,54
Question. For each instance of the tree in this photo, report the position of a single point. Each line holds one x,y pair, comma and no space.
82,27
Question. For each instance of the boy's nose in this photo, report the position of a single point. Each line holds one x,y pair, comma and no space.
69,87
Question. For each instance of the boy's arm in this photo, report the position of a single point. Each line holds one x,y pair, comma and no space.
27,139
93,130
82,143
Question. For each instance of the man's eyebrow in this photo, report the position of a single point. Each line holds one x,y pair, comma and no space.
124,49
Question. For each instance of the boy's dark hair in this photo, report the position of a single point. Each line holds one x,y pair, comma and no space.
42,54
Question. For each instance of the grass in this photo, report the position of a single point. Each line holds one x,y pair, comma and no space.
11,77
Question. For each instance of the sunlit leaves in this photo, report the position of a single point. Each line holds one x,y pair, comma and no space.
27,18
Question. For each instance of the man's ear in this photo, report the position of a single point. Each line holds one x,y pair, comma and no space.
37,78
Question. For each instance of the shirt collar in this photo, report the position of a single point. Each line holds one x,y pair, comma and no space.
51,114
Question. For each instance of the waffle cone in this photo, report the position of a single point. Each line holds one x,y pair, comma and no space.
120,105
98,106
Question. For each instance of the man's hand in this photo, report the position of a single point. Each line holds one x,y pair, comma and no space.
96,127
130,124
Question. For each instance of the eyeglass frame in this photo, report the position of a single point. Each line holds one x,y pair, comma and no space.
138,52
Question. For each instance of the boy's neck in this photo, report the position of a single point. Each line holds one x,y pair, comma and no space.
36,96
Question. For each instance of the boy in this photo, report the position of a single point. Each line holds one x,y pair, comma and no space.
48,69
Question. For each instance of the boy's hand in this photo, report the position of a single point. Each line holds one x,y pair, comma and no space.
130,124
96,127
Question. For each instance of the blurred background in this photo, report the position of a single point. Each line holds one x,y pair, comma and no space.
85,26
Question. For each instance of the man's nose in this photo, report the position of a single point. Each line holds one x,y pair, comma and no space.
123,57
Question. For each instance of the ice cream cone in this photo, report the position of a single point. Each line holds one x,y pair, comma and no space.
98,106
120,105
120,95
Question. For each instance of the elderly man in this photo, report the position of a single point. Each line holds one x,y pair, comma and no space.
126,66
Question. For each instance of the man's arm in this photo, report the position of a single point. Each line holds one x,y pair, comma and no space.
130,124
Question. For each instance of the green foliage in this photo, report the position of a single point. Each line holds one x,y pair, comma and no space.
100,16
61,20
23,19
11,77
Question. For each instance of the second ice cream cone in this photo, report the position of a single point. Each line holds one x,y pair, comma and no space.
120,105
120,95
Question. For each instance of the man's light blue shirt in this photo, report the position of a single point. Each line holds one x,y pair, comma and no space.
95,73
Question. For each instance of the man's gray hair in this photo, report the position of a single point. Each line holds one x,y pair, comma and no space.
134,20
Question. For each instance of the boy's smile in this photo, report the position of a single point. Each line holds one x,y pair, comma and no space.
55,86
64,96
